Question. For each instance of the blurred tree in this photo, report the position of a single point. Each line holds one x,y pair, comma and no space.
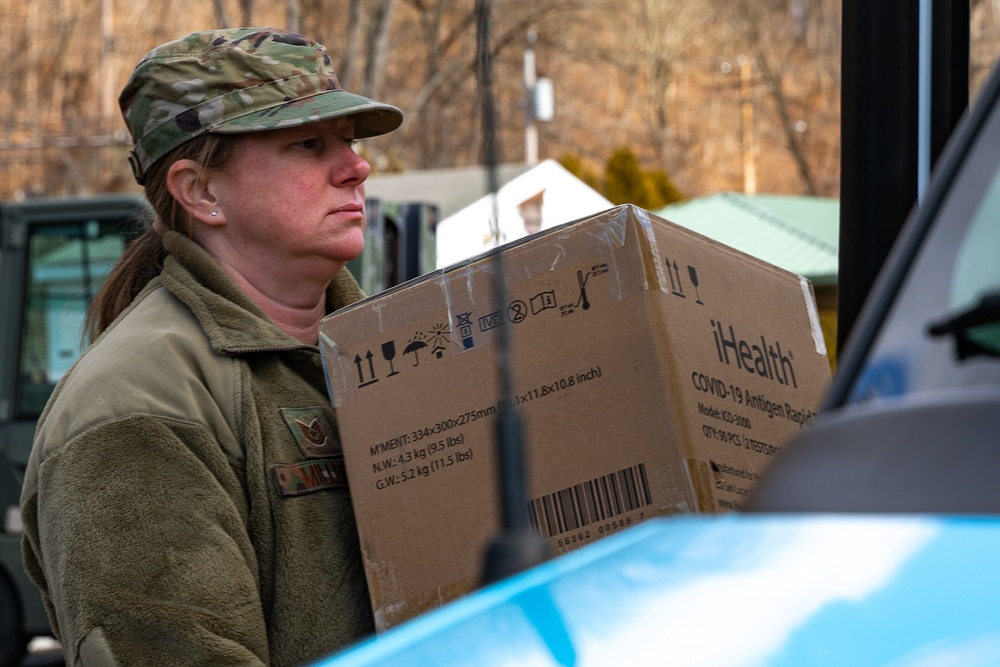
648,74
654,40
626,182
792,57
662,189
443,97
377,47
574,165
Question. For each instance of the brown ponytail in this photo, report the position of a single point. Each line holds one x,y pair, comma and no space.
143,258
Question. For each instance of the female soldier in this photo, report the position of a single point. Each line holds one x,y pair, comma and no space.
185,502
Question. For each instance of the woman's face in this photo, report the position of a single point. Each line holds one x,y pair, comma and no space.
293,199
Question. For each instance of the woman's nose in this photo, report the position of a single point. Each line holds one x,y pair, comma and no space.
349,168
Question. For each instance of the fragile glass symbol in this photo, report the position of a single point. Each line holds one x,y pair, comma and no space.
693,274
389,353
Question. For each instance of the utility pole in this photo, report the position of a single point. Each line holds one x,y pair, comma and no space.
107,47
749,158
530,127
108,97
538,101
294,16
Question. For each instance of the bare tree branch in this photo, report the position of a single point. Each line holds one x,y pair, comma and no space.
347,56
220,14
378,35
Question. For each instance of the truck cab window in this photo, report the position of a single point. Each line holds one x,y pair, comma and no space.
67,265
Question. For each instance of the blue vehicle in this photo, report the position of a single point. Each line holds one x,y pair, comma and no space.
727,592
873,538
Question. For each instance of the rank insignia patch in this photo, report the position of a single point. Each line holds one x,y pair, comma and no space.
312,432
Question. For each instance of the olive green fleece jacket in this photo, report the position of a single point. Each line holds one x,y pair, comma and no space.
157,525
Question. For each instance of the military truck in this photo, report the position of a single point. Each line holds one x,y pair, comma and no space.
54,256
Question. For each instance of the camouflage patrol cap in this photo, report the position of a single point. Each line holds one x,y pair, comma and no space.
237,80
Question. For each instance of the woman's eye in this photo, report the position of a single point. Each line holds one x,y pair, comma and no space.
310,144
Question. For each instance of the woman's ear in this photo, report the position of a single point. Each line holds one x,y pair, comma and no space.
186,181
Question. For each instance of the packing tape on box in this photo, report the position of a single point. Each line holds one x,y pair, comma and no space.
814,326
653,264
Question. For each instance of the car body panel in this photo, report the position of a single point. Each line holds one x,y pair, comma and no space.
730,591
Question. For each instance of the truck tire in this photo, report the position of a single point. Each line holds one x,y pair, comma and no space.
13,643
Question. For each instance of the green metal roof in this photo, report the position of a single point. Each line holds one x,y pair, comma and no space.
797,233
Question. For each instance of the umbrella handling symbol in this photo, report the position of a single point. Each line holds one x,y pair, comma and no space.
413,347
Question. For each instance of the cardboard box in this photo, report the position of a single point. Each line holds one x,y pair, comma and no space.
657,372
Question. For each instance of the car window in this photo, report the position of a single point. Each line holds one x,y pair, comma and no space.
924,345
977,272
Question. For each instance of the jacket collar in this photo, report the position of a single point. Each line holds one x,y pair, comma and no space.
233,322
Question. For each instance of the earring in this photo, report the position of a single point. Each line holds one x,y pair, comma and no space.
214,213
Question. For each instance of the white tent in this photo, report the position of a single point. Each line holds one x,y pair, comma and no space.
544,196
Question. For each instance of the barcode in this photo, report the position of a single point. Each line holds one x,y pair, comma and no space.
590,502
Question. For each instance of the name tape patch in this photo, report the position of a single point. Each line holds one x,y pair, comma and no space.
297,479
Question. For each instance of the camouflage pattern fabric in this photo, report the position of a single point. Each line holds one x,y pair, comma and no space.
237,80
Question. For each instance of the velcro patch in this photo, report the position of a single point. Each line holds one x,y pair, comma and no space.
300,478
